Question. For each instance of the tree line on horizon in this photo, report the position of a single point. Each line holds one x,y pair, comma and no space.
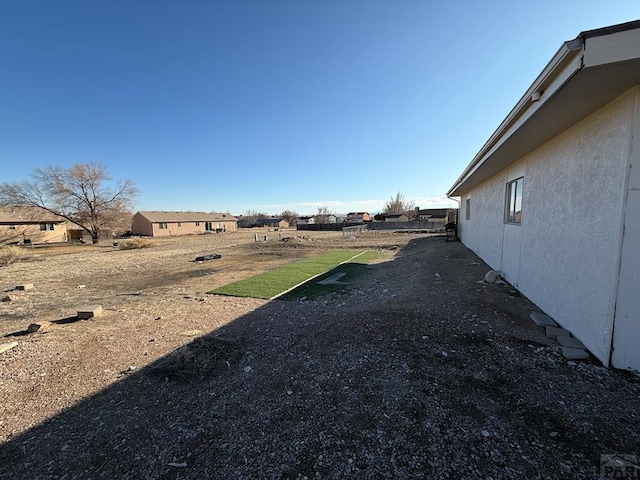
85,195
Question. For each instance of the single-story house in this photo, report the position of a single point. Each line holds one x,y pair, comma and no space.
305,220
358,217
552,199
30,225
435,215
396,218
272,222
331,218
162,224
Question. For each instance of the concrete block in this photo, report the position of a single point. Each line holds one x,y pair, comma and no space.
25,286
5,347
89,312
555,332
38,327
574,353
542,320
571,342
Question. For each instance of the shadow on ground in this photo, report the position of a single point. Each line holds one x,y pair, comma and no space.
415,371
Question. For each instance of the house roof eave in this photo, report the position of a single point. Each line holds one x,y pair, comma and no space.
585,74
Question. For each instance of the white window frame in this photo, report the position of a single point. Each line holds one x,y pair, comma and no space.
513,202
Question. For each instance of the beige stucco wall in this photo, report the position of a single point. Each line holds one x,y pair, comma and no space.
571,222
175,228
33,233
141,226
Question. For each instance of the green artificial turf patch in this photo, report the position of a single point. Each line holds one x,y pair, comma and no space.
353,269
275,282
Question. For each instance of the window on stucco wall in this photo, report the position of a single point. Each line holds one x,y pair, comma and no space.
513,204
162,226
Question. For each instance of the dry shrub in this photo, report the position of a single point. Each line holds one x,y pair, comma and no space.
11,254
198,359
136,243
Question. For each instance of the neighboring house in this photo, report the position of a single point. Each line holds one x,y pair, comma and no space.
272,222
162,224
552,199
30,225
325,219
358,217
305,221
396,218
435,215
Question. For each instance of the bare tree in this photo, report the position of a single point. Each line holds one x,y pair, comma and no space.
323,214
252,217
290,216
81,194
398,205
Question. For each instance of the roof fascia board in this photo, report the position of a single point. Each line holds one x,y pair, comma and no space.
618,46
565,63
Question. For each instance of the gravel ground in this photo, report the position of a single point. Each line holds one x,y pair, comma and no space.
415,370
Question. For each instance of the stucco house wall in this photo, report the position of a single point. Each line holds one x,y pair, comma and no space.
163,224
30,224
141,226
480,225
574,190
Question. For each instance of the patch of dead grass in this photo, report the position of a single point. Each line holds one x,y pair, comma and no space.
198,359
11,254
136,243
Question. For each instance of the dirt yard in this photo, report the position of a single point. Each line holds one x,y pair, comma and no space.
416,369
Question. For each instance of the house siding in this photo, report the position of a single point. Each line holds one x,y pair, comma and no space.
142,225
33,233
571,222
482,232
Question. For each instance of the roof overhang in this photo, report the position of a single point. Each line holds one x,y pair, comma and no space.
585,74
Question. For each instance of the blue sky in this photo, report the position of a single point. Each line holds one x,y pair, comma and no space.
273,105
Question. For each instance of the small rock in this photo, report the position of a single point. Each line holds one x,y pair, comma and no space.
26,286
445,354
177,465
485,434
437,275
553,434
7,298
492,275
81,286
247,369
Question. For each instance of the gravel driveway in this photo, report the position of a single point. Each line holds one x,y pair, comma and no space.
415,370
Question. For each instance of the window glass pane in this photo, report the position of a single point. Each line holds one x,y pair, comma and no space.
513,204
518,200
